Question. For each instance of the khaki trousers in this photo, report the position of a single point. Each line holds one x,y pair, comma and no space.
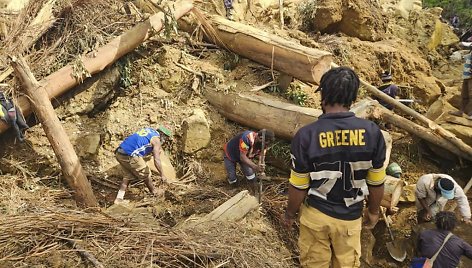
135,167
328,242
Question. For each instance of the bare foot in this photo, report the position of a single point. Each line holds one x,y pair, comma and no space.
457,113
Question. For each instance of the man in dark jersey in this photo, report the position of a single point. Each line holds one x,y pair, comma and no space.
241,149
130,154
336,162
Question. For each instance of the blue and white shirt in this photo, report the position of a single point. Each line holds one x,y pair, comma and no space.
139,143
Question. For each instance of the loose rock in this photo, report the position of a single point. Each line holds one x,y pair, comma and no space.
196,132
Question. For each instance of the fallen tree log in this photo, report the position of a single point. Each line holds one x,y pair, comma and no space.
64,79
234,209
57,136
304,63
285,119
450,137
392,192
427,134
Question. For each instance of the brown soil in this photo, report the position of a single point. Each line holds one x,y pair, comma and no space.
160,92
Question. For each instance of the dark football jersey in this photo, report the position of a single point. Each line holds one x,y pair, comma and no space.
337,158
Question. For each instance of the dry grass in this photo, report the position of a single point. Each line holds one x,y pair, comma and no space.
117,243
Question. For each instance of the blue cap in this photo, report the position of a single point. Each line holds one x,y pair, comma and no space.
446,184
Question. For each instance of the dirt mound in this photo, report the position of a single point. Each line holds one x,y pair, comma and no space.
360,19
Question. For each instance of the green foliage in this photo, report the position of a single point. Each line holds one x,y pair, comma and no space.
125,72
461,8
297,95
280,149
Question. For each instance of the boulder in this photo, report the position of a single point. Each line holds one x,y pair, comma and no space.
438,108
95,94
462,132
173,82
166,164
88,145
359,18
426,88
404,7
196,132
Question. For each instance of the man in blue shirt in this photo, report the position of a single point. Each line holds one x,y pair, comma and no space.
130,154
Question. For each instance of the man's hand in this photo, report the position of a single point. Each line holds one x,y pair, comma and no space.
257,169
467,221
289,219
370,219
428,215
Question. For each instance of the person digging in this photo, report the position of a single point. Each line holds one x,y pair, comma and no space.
241,149
432,193
131,153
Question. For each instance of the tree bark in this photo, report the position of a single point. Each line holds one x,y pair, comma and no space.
447,135
64,79
71,167
234,209
393,191
304,63
258,112
285,119
427,134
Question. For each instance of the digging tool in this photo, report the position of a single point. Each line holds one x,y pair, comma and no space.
397,252
261,164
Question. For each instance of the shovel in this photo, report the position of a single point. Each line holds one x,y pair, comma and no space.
397,252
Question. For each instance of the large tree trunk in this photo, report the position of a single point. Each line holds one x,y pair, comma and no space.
258,112
71,167
64,79
304,63
432,126
285,119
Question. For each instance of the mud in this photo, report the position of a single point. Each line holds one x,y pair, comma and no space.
148,88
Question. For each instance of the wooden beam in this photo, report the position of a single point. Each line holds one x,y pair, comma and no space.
427,134
285,119
447,135
71,167
304,63
64,79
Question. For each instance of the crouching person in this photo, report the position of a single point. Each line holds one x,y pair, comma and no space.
432,193
130,154
241,149
440,246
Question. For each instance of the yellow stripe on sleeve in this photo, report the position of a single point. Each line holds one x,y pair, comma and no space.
376,176
299,180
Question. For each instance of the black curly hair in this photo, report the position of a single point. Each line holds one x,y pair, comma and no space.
339,86
446,220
